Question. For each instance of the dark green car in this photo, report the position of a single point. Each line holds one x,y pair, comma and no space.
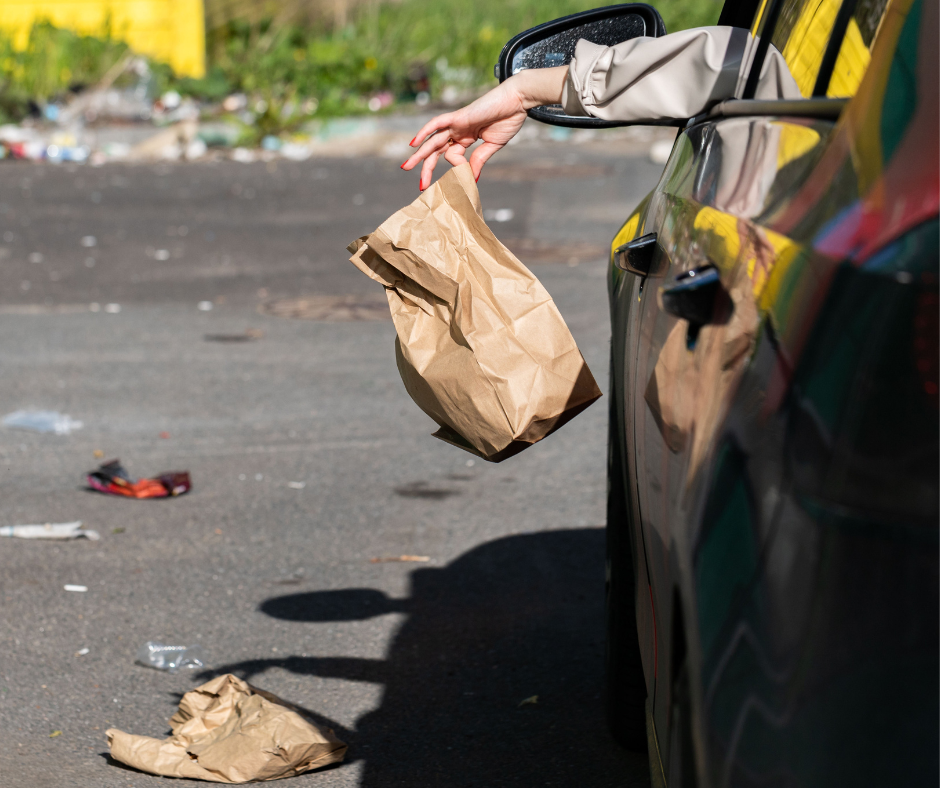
772,570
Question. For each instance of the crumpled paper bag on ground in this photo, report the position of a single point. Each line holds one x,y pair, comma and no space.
227,731
481,346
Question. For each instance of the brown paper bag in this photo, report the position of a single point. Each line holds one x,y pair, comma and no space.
481,346
227,731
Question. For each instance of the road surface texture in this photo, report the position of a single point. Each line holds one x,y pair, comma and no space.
308,461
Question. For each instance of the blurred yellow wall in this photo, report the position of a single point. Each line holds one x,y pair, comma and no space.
169,30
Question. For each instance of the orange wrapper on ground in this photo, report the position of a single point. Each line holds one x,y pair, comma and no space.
227,731
481,346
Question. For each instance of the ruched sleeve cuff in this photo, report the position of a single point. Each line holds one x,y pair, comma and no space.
676,76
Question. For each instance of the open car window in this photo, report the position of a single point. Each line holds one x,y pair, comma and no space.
826,43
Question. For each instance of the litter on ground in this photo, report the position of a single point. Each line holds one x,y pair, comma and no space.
49,531
42,421
420,559
162,656
111,478
227,731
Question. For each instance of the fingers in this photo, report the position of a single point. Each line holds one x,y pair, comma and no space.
427,170
433,126
481,155
454,154
431,145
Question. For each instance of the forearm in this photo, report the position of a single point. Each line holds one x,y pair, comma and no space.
537,87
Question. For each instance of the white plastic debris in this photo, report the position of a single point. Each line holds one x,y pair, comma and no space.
82,652
88,241
172,658
499,215
75,589
42,421
49,531
204,306
297,485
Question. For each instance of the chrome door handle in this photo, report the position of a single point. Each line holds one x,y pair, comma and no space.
636,256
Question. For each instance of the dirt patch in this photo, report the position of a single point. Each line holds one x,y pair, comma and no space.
331,309
534,252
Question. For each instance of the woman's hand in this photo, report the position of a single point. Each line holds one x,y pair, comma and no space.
495,118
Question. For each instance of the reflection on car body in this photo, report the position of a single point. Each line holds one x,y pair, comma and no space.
774,452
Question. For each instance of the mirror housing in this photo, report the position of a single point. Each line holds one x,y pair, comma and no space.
553,44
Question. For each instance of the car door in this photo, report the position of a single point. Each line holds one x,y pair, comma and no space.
723,176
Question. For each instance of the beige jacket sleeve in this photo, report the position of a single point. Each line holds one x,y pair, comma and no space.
676,76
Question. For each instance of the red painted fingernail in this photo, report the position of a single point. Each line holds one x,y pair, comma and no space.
477,179
412,143
403,166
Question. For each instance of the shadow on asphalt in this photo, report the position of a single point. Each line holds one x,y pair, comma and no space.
511,619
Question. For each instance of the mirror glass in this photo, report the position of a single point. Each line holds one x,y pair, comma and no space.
557,50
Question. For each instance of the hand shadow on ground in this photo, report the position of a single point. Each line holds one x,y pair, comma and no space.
514,618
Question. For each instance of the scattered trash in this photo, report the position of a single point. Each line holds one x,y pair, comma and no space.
162,656
82,652
499,215
35,257
54,734
164,435
530,701
49,531
249,335
111,478
228,731
75,589
89,241
112,309
259,477
98,453
118,530
42,421
420,559
297,485
204,306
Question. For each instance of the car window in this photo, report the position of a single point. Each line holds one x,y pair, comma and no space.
855,49
801,34
808,33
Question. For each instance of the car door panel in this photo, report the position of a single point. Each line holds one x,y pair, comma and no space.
720,176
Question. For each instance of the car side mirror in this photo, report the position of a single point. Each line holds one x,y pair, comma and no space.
553,43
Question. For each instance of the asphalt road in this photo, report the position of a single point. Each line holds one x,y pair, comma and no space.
419,667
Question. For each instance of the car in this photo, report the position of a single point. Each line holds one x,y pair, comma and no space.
772,527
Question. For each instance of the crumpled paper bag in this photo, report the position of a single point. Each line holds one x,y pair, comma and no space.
227,731
481,346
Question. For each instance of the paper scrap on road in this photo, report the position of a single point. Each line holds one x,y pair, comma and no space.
49,531
42,421
75,589
227,731
420,559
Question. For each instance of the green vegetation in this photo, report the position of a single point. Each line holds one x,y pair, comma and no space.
295,72
53,62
